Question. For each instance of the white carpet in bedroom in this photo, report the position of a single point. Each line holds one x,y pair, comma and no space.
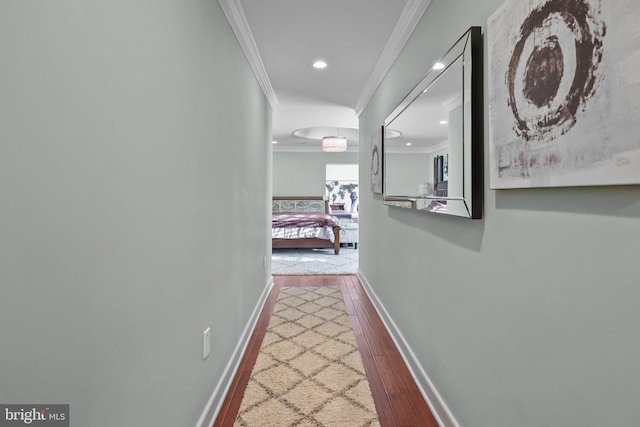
314,261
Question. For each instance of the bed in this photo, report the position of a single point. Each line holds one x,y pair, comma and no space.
303,222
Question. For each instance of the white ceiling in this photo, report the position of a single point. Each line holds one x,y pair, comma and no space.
359,39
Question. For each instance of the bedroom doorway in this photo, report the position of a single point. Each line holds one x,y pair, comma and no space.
341,194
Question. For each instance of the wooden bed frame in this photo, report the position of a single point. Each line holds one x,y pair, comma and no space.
305,204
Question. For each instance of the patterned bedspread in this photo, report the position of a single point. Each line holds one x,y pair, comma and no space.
302,225
301,219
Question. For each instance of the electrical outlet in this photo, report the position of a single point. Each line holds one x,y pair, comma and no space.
206,343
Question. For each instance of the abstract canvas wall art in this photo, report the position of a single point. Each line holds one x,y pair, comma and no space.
375,168
564,93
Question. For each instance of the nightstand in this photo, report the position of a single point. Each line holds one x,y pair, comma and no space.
348,232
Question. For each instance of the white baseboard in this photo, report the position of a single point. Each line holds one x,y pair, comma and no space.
439,408
216,400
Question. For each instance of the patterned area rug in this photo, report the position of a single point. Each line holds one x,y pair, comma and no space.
314,261
309,371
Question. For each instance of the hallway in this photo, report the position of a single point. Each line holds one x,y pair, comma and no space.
397,399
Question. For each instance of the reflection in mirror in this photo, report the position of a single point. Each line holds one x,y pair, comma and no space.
433,139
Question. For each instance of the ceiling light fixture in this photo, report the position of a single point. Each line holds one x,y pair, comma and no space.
319,65
274,142
438,66
334,143
391,133
408,144
443,122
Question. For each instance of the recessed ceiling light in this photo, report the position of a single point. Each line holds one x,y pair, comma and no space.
438,66
408,144
443,122
274,142
319,65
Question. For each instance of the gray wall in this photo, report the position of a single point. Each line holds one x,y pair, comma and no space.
527,317
405,171
304,173
134,168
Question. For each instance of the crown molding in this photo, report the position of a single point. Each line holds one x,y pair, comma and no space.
238,20
407,22
455,101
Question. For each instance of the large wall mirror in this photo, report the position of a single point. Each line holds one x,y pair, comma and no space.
433,139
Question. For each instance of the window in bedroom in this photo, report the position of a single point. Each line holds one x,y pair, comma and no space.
341,189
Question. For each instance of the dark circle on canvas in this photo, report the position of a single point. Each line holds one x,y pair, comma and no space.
375,160
543,73
545,67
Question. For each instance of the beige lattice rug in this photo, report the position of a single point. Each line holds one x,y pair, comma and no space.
309,371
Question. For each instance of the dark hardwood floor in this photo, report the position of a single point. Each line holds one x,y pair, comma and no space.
396,396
